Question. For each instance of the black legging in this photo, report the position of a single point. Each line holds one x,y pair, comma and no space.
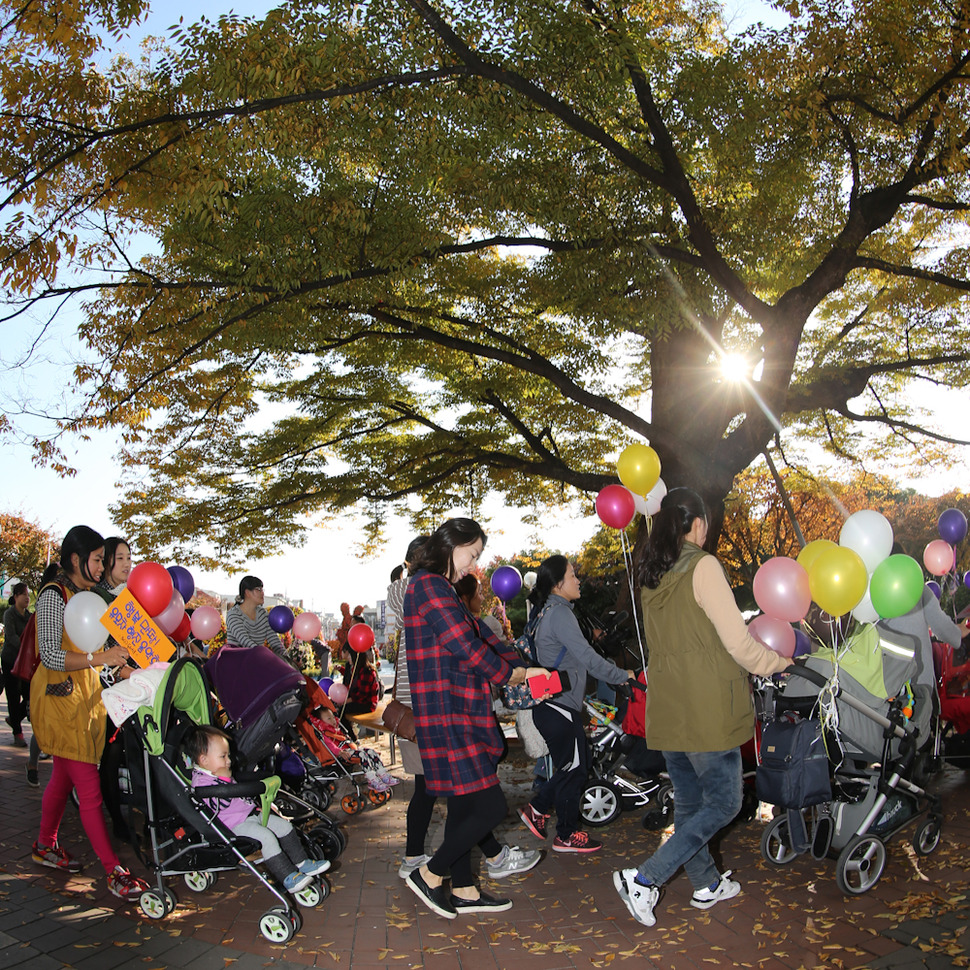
565,737
18,696
419,813
470,819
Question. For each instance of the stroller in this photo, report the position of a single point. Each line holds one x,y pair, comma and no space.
185,837
953,724
872,725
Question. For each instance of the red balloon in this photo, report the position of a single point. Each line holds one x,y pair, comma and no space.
615,506
360,637
151,584
182,631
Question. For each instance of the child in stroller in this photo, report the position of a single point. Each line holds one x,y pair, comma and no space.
207,748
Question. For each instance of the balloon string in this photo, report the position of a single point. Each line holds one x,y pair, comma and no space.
628,563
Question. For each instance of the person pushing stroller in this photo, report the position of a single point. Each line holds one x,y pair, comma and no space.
207,748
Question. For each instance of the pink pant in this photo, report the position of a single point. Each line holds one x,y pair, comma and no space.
66,775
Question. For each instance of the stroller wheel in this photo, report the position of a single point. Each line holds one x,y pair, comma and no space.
601,803
327,841
860,864
199,882
314,894
776,843
319,797
659,818
156,905
351,804
277,925
927,835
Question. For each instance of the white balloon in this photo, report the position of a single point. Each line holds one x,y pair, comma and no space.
869,534
82,621
530,579
640,504
654,497
864,611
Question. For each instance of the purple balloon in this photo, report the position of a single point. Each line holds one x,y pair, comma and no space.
803,644
182,580
934,587
325,684
281,619
966,579
506,581
953,526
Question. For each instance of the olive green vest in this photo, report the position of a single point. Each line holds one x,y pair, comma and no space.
698,697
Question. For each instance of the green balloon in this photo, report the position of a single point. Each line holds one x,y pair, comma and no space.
896,586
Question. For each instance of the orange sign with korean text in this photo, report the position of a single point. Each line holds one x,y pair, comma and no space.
135,630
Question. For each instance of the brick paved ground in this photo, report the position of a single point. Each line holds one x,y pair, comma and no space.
566,913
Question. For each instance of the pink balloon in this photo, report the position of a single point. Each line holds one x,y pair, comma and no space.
781,589
206,622
337,692
615,506
938,557
773,633
169,619
306,626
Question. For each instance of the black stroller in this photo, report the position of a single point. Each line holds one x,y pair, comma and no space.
185,838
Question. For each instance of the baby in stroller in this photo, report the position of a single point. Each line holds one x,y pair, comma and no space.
349,752
207,747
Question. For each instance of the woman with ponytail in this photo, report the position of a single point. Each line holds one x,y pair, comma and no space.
699,707
561,645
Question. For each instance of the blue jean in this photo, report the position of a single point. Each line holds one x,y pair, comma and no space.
707,795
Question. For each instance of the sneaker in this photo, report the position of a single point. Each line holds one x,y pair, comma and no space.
512,860
724,888
54,857
124,885
484,904
535,821
639,900
33,779
577,842
18,741
409,865
436,898
296,881
314,867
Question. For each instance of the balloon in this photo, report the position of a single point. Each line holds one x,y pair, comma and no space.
870,535
183,581
864,611
655,496
775,634
896,586
360,637
812,551
966,579
172,615
781,589
837,580
338,692
803,643
614,506
182,631
281,619
206,622
640,504
506,581
150,584
306,626
638,468
82,621
530,579
325,684
953,526
934,587
938,557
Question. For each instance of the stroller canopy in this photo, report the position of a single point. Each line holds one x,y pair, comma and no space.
182,687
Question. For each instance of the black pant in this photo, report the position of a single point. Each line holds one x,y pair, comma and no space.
18,695
563,732
470,819
419,813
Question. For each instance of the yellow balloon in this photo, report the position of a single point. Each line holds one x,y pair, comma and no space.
838,580
639,468
812,551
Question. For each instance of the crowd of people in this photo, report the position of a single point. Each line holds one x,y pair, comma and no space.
451,666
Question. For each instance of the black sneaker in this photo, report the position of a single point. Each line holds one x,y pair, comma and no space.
33,779
435,898
484,904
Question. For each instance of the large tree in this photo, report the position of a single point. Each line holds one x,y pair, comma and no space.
415,252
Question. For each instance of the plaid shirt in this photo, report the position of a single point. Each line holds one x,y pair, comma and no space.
451,663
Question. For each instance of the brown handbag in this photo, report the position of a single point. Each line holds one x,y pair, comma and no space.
399,718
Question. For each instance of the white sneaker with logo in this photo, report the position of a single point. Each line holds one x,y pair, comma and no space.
726,888
639,900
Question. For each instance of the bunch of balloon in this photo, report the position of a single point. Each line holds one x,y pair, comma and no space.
940,555
781,590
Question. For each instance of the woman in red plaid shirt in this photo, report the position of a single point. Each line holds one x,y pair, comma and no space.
451,668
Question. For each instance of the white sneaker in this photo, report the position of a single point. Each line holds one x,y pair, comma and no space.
512,860
726,888
639,900
407,867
